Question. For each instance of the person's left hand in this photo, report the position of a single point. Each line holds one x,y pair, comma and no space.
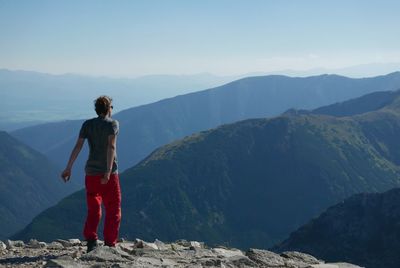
66,174
105,178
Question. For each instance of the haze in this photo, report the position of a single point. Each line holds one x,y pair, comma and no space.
135,38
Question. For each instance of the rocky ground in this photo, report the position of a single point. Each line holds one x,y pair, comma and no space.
72,253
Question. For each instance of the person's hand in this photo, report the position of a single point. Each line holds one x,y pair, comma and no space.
66,174
105,178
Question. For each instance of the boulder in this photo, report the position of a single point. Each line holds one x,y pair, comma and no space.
265,258
11,244
75,242
227,253
161,245
142,244
65,262
2,246
196,245
55,245
69,243
240,261
300,257
104,253
33,243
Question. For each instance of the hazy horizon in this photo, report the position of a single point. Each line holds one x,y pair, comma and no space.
222,38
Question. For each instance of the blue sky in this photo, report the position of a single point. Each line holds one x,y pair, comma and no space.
131,38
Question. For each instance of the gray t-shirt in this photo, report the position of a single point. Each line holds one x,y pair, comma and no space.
96,131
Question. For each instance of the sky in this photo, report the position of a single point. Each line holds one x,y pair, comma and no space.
223,37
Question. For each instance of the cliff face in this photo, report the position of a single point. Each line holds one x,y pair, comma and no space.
182,253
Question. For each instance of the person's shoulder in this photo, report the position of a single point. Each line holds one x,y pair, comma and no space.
89,121
112,121
115,123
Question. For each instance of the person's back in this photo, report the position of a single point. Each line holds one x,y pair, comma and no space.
102,180
96,131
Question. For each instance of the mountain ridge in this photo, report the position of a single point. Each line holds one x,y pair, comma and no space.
251,182
145,128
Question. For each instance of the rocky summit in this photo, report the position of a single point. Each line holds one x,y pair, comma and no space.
138,253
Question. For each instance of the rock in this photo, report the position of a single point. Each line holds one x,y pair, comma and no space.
335,265
160,245
107,254
177,247
33,243
11,244
69,243
142,244
128,247
149,255
195,244
75,242
265,258
55,245
227,253
147,262
212,262
240,261
2,246
300,257
64,243
65,262
183,242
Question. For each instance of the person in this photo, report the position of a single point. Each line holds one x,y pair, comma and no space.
102,179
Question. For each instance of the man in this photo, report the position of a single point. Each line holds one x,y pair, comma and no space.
101,180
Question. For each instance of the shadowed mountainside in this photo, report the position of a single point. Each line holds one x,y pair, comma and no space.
29,184
363,229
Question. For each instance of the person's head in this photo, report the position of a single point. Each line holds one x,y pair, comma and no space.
103,106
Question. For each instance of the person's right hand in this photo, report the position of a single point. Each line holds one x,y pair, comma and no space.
66,174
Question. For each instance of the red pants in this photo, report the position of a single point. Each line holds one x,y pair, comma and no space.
110,194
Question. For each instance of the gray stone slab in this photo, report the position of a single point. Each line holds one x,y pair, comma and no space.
265,258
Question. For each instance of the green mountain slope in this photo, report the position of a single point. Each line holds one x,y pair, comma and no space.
145,128
29,184
250,183
367,103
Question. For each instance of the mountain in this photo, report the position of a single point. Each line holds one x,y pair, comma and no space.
32,97
250,183
366,103
147,127
363,229
29,184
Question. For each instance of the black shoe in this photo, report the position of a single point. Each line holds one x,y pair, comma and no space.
109,245
91,245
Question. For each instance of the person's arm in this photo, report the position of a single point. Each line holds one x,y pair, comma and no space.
111,148
66,174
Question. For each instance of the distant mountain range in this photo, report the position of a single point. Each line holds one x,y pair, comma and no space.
251,183
33,98
29,182
147,127
363,229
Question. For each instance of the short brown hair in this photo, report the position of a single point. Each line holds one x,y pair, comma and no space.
102,104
